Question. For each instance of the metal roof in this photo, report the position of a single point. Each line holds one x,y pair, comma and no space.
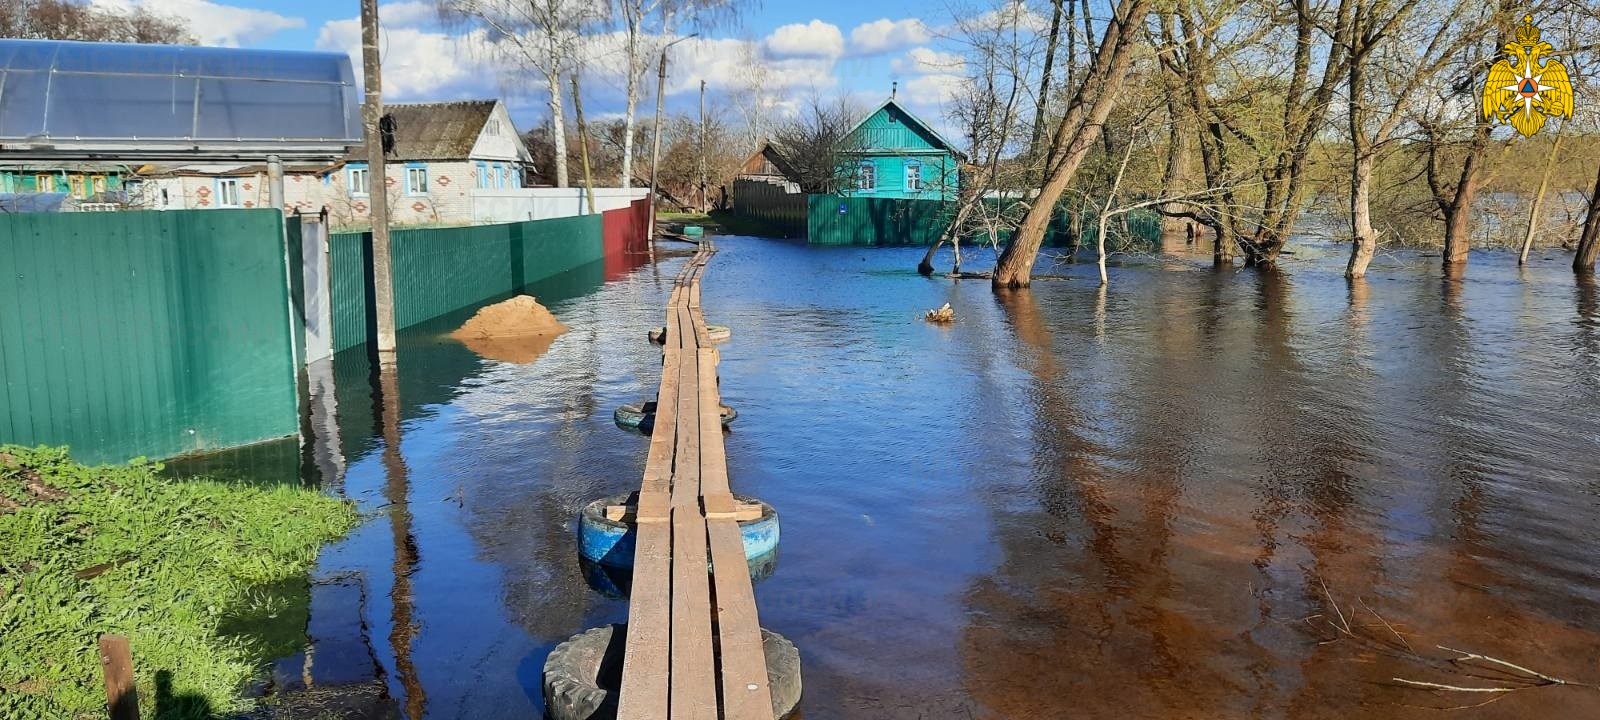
61,99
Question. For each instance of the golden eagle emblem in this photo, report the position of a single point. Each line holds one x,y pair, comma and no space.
1523,91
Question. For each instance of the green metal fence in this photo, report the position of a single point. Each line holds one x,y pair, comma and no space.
439,270
841,220
145,333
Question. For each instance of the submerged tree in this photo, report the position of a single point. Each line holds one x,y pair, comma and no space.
1075,135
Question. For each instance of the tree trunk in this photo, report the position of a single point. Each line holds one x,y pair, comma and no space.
558,126
631,101
1538,202
1458,216
1176,175
1043,100
1363,241
1083,122
1589,242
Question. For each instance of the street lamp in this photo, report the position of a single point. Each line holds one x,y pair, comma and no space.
655,151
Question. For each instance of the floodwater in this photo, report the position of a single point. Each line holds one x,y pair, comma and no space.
1197,495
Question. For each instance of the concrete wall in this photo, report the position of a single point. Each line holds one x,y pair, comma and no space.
517,205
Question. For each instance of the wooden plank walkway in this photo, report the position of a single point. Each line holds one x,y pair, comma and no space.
694,647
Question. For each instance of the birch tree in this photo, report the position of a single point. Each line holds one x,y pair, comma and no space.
541,35
647,24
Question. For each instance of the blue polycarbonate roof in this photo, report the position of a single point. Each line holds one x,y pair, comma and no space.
58,91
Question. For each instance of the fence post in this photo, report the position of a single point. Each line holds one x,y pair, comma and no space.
116,661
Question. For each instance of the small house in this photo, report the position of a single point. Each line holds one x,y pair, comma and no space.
892,153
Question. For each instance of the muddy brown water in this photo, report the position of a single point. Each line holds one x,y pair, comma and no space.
1201,495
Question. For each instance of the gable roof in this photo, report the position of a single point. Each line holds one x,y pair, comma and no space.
939,139
769,154
434,131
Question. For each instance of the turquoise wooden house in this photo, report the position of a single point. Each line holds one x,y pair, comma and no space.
894,154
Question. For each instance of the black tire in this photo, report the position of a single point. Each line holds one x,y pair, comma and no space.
583,676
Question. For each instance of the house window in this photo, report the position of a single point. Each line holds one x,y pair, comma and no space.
357,180
228,192
913,176
516,176
97,184
866,176
416,180
483,176
499,175
76,186
493,126
44,183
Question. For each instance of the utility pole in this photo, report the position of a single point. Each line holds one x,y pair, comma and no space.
377,182
704,200
655,151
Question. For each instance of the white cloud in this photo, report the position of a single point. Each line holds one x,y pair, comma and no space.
412,13
1015,13
815,39
885,35
215,23
927,61
420,64
932,90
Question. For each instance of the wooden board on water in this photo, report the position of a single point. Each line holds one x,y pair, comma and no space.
746,690
694,685
646,656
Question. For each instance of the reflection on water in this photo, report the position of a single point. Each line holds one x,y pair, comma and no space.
1148,503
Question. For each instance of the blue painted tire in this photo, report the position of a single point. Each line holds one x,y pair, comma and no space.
616,583
611,544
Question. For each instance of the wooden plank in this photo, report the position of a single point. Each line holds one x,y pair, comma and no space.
116,664
746,689
646,658
686,457
694,683
713,455
663,434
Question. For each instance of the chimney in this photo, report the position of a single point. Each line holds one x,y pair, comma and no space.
894,89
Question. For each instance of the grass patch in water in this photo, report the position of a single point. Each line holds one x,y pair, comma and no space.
187,569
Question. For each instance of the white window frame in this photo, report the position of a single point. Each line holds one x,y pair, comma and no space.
483,175
351,175
866,176
223,188
908,185
413,172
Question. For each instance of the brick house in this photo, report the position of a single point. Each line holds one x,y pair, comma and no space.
441,154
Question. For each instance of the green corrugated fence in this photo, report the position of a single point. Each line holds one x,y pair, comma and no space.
857,220
145,333
438,270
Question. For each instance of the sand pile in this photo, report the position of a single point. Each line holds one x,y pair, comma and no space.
518,330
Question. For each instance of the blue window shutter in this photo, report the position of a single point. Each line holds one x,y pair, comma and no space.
483,174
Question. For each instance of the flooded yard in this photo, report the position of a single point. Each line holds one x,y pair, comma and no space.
1199,495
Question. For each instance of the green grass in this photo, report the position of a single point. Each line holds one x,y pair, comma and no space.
193,567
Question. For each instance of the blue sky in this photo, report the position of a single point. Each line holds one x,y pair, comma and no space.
815,47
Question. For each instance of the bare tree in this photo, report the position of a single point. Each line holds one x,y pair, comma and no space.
543,35
646,24
812,140
68,20
1075,134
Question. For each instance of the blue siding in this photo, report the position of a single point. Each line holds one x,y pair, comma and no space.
890,140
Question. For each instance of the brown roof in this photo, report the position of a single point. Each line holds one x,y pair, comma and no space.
433,131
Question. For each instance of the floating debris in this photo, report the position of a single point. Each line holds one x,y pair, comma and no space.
942,315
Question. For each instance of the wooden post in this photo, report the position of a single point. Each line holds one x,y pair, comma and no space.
704,200
116,662
655,150
583,143
377,180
